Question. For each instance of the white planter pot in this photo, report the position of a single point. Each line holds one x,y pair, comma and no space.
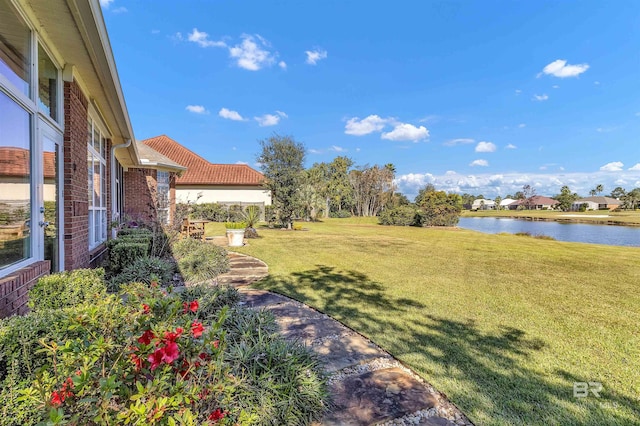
235,237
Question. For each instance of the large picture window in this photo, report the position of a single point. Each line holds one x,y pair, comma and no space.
97,173
15,182
15,49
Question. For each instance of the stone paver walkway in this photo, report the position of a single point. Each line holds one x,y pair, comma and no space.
368,386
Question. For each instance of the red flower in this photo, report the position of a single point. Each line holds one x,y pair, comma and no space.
56,399
171,352
204,356
145,308
197,329
78,373
193,306
218,414
146,337
156,358
216,343
170,336
137,361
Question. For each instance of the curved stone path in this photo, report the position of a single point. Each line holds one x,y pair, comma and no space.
368,386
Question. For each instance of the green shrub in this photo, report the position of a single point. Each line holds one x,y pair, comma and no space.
235,213
123,253
184,246
270,215
211,211
251,215
148,357
144,270
200,261
134,231
399,216
340,214
65,289
235,225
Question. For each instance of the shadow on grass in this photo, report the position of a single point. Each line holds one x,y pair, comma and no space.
490,381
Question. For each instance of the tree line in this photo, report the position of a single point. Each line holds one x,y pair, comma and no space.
340,189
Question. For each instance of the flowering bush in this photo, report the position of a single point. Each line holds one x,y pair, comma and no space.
148,356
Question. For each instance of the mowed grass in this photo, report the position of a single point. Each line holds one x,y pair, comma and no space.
503,325
623,217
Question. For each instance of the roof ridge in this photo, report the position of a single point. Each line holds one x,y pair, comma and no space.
177,143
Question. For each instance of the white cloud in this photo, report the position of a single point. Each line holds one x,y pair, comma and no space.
459,141
283,65
314,151
251,54
313,56
555,86
560,68
202,39
267,120
105,3
522,126
337,148
282,114
510,146
483,163
197,109
545,183
406,132
120,9
540,98
242,162
597,83
155,31
518,91
614,166
230,115
635,168
485,147
637,114
372,123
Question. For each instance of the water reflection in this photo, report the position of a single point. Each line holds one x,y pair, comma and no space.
575,232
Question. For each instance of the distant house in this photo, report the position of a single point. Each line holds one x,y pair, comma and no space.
482,204
504,204
204,182
150,187
596,203
537,202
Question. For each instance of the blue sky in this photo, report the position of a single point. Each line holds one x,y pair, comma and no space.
473,96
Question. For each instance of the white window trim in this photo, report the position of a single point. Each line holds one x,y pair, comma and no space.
97,124
30,104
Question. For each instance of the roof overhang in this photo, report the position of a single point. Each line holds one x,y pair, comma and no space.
76,33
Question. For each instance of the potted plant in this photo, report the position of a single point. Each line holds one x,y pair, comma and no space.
115,226
235,233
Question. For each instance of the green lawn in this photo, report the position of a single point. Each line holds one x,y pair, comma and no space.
623,217
503,325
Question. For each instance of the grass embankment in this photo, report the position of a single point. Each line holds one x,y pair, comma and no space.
624,217
504,325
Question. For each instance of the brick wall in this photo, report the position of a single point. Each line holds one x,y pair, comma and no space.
140,188
14,288
76,192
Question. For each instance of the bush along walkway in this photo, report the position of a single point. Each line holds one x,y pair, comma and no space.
368,385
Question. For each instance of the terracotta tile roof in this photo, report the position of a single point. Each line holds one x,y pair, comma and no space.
200,171
149,157
15,162
538,200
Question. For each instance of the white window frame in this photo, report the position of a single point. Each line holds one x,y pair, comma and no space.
98,212
167,196
30,103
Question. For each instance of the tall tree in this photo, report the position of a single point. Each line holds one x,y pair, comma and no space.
631,199
437,208
282,160
528,194
566,198
372,187
498,200
618,193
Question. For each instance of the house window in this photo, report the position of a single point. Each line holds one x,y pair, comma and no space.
48,78
15,182
96,167
15,49
163,197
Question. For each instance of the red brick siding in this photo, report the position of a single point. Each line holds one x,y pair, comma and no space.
15,287
139,194
76,192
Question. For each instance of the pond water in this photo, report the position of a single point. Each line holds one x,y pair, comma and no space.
575,232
